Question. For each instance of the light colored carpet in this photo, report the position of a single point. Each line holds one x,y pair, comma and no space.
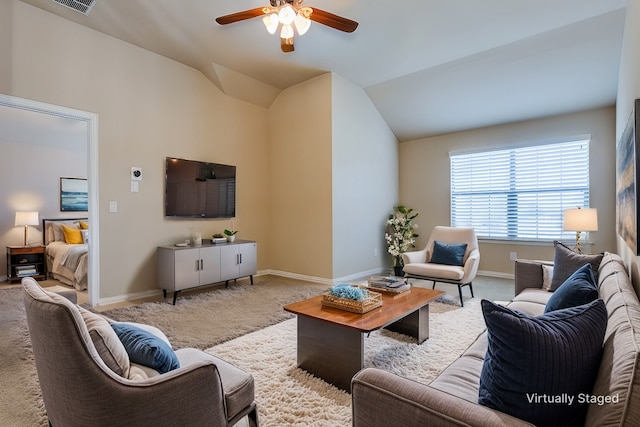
288,396
205,319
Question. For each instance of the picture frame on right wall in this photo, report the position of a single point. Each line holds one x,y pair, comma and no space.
627,166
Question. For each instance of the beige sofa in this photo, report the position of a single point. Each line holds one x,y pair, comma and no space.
383,399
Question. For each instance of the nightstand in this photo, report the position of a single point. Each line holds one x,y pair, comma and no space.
26,261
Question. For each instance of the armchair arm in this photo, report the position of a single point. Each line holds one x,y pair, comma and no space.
380,398
528,274
189,395
471,266
414,256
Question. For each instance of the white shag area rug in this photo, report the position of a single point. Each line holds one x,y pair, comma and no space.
289,396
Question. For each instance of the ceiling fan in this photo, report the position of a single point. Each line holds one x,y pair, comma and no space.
290,14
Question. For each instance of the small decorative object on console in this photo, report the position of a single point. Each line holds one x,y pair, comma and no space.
218,238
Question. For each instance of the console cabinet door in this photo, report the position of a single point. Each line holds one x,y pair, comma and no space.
238,260
209,265
229,262
187,268
248,259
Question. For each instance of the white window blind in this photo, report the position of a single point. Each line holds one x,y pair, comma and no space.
520,193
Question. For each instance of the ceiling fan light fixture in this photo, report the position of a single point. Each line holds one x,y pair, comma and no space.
287,32
286,15
271,22
302,24
292,17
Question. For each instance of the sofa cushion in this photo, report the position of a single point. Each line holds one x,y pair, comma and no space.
619,375
566,262
106,342
448,253
580,288
146,348
547,276
534,365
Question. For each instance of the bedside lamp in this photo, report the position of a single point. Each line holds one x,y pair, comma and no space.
578,220
26,219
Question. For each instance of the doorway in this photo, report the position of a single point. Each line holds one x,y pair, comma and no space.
91,121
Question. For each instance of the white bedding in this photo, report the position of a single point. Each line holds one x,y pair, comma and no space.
59,255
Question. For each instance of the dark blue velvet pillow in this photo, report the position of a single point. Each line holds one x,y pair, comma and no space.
145,348
535,368
580,288
448,253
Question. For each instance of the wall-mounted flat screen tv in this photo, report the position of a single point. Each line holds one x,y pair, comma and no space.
195,189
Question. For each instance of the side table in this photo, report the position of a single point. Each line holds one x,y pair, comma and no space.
26,261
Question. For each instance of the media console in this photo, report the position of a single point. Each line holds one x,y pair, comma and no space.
188,267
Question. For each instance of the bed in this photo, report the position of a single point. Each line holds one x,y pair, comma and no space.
66,251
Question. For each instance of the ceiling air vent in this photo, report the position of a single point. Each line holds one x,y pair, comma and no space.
82,6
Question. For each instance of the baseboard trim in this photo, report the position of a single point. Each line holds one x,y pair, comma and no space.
297,276
324,280
496,274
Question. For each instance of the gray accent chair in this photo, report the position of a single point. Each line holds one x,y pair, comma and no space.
79,388
418,265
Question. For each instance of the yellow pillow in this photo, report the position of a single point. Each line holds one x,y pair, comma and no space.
84,225
71,235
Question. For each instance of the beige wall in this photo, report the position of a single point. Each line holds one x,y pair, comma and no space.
628,91
365,181
424,177
300,195
6,44
149,107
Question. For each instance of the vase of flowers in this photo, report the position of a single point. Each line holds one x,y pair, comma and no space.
400,235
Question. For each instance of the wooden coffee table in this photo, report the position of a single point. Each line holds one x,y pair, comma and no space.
331,341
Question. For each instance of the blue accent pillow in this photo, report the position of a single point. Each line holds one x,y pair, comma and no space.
535,368
580,288
448,253
145,348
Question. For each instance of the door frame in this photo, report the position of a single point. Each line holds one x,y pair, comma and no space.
91,119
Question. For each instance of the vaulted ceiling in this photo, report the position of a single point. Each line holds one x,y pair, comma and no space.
429,66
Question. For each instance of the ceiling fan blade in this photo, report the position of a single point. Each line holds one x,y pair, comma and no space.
286,45
241,16
333,21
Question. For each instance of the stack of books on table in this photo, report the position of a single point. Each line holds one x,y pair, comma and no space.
390,284
26,270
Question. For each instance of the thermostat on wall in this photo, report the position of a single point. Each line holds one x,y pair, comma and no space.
136,173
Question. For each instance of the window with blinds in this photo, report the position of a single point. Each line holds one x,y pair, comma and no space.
520,193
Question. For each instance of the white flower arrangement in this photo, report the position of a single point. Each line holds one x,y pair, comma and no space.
400,235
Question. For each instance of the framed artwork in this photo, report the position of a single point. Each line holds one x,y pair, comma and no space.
74,195
626,182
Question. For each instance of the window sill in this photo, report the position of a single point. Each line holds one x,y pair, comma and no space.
568,243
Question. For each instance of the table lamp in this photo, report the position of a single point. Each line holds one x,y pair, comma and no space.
578,220
26,219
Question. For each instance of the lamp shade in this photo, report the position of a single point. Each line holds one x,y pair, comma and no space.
581,219
26,218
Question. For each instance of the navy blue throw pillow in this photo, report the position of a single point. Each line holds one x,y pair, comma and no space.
448,253
145,348
536,368
580,288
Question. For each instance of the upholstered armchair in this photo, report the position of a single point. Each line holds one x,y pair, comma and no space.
445,258
80,388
